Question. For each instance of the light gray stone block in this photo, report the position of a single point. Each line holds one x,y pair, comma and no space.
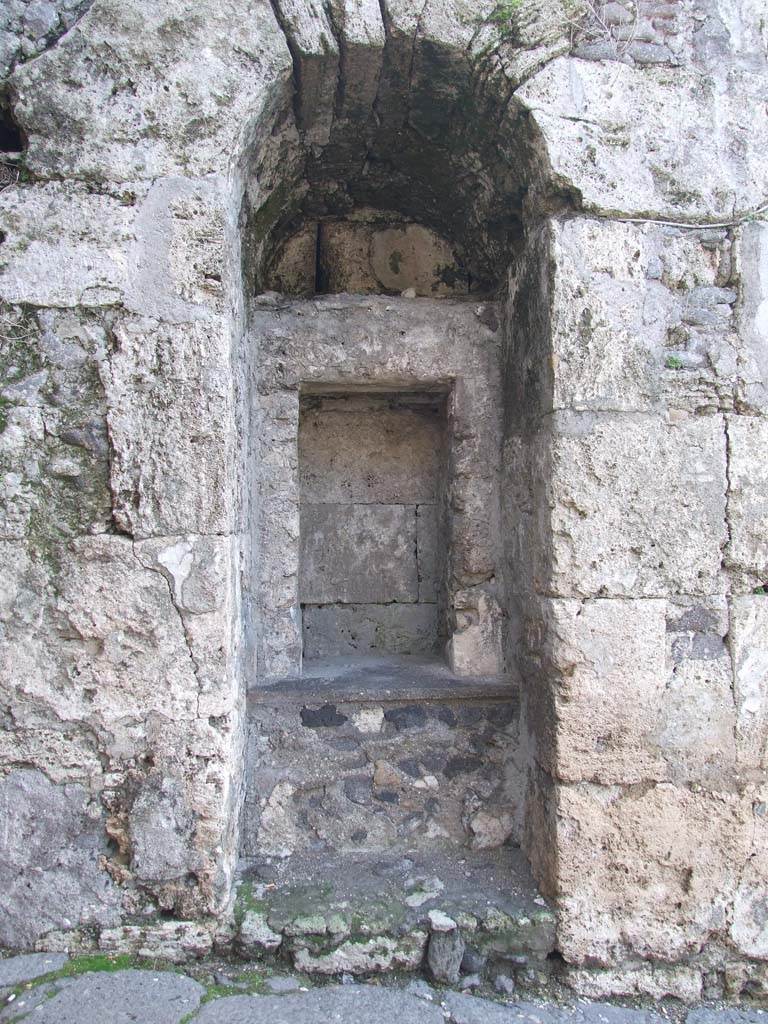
748,497
753,316
359,449
361,629
50,876
749,648
627,492
358,554
611,158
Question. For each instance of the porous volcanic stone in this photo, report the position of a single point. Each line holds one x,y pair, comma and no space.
341,1003
123,997
16,969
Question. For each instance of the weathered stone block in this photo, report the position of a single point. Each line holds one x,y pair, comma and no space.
653,980
316,51
176,941
357,449
414,257
753,317
625,491
359,629
445,949
358,554
638,321
173,466
749,648
124,145
70,245
694,730
255,935
174,270
475,646
748,923
646,867
108,600
605,350
296,265
199,574
346,258
609,660
625,154
430,550
162,827
50,876
54,457
642,690
748,498
367,956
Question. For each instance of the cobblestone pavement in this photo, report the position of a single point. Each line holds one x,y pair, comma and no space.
51,989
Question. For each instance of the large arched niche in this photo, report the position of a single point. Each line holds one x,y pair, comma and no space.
388,210
445,149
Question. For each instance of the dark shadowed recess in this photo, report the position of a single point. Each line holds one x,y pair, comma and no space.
438,145
11,139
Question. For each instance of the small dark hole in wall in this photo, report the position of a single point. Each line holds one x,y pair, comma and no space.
556,956
11,140
3,237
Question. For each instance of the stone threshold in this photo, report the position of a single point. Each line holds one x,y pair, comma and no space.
381,680
454,914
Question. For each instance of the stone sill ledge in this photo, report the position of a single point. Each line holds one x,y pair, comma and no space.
378,680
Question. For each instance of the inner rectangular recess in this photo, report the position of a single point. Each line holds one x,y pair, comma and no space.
372,565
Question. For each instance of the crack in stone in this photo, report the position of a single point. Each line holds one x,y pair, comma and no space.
376,104
51,40
295,60
725,552
341,85
412,64
184,627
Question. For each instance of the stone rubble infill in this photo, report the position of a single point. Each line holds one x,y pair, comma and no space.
167,997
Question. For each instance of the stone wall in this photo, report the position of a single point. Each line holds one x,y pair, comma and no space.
629,527
166,157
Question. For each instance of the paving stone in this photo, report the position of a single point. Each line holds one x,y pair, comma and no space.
123,997
337,1003
16,969
705,1015
466,1009
20,1007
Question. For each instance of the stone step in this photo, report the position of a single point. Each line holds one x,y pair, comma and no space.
367,757
334,914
